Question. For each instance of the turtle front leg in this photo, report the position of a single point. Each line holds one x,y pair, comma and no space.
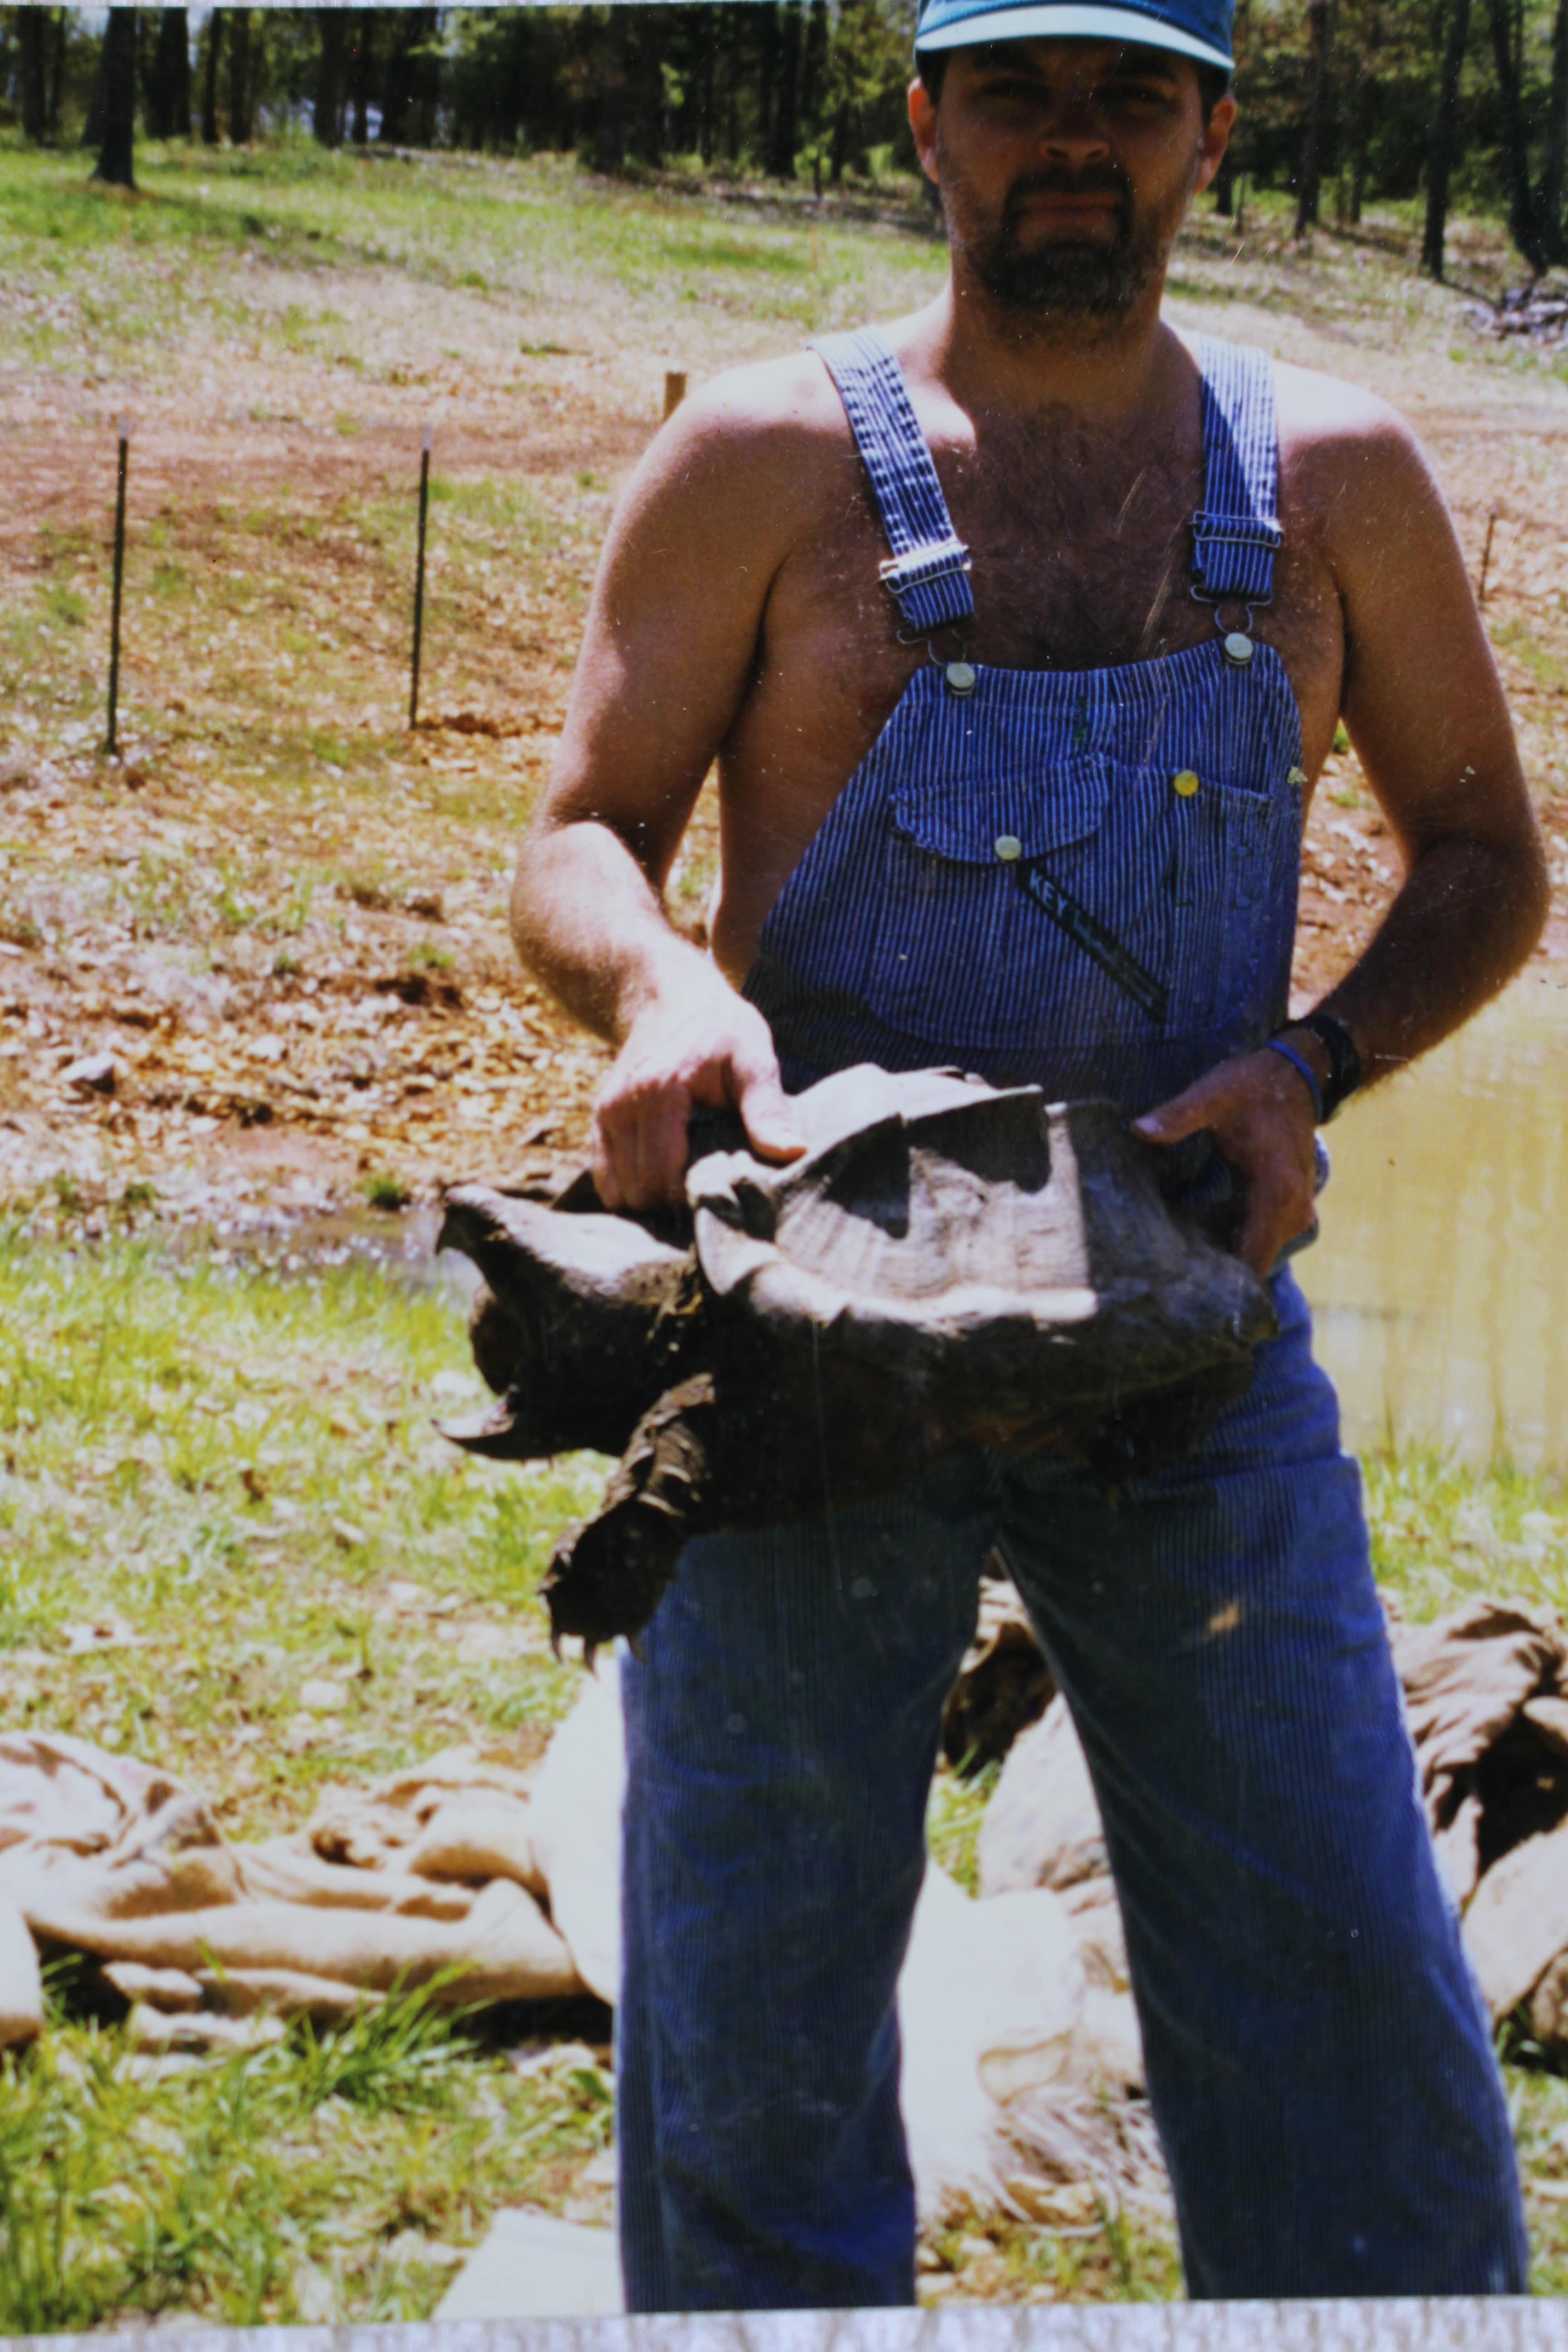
608,1574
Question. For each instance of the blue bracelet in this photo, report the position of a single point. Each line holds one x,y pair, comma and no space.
1300,1062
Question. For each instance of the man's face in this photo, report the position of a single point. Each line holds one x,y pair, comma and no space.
1066,168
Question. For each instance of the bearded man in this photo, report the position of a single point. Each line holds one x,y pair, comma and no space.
1019,630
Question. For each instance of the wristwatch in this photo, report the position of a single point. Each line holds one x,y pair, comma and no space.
1344,1061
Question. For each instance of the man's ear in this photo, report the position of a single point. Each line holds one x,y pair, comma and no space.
1216,139
922,124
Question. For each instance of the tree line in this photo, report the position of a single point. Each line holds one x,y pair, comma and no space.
1344,102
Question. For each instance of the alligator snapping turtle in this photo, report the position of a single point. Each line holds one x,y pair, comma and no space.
949,1264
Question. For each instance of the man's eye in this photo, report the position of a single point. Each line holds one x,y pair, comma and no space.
1136,93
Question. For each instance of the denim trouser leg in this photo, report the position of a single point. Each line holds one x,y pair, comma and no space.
1319,2064
780,1737
1319,2061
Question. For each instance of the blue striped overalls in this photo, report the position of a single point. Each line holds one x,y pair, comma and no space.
1086,880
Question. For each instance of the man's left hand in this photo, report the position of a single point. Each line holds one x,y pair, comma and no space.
1259,1113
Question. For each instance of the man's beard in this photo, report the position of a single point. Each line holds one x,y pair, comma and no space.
1068,278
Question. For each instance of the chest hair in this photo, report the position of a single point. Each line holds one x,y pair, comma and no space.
1080,539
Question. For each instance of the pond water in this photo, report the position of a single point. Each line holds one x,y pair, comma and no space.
1440,1283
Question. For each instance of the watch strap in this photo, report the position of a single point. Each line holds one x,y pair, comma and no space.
1344,1061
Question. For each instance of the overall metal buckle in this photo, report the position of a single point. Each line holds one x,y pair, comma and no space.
1236,644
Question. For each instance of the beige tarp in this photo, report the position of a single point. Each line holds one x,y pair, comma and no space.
1016,2012
424,1873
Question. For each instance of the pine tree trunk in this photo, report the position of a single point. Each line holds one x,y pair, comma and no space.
239,91
708,37
396,90
169,78
118,87
649,33
784,136
56,70
1310,185
30,31
734,69
362,50
92,122
767,17
839,153
1555,174
1358,182
327,114
610,133
1223,186
814,69
209,78
1445,140
1522,223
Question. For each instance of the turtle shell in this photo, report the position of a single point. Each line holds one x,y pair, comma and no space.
949,1262
995,1256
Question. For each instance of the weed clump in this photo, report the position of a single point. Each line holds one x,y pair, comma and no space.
385,1190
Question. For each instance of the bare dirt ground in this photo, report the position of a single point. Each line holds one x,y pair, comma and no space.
275,927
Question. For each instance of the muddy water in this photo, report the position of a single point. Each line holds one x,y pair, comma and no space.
1440,1283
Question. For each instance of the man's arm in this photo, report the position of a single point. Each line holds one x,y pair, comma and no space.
1425,710
669,652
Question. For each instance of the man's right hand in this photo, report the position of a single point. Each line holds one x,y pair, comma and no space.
707,1048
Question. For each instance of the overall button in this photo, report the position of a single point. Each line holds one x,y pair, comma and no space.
1297,776
959,678
1186,784
1008,847
1237,649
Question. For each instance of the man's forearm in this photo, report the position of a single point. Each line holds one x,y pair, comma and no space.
1466,918
587,921
1468,913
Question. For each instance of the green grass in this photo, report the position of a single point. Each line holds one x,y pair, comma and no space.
312,2179
224,1467
135,274
234,1467
1541,662
228,1467
1441,1532
953,1817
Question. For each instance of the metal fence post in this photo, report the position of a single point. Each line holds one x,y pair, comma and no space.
425,439
111,744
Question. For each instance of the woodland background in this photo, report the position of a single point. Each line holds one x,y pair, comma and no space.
1344,102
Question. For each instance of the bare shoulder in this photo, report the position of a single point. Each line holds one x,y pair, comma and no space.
1321,411
757,434
792,396
1345,454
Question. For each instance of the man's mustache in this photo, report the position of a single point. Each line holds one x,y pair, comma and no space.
1094,179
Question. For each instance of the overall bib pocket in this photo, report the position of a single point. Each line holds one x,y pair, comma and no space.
1020,909
1258,889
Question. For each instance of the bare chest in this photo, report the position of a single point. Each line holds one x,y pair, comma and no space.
1075,567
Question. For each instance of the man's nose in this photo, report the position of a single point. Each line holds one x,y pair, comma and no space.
1073,131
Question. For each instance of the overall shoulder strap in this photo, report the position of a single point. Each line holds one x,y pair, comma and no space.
1237,531
927,575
